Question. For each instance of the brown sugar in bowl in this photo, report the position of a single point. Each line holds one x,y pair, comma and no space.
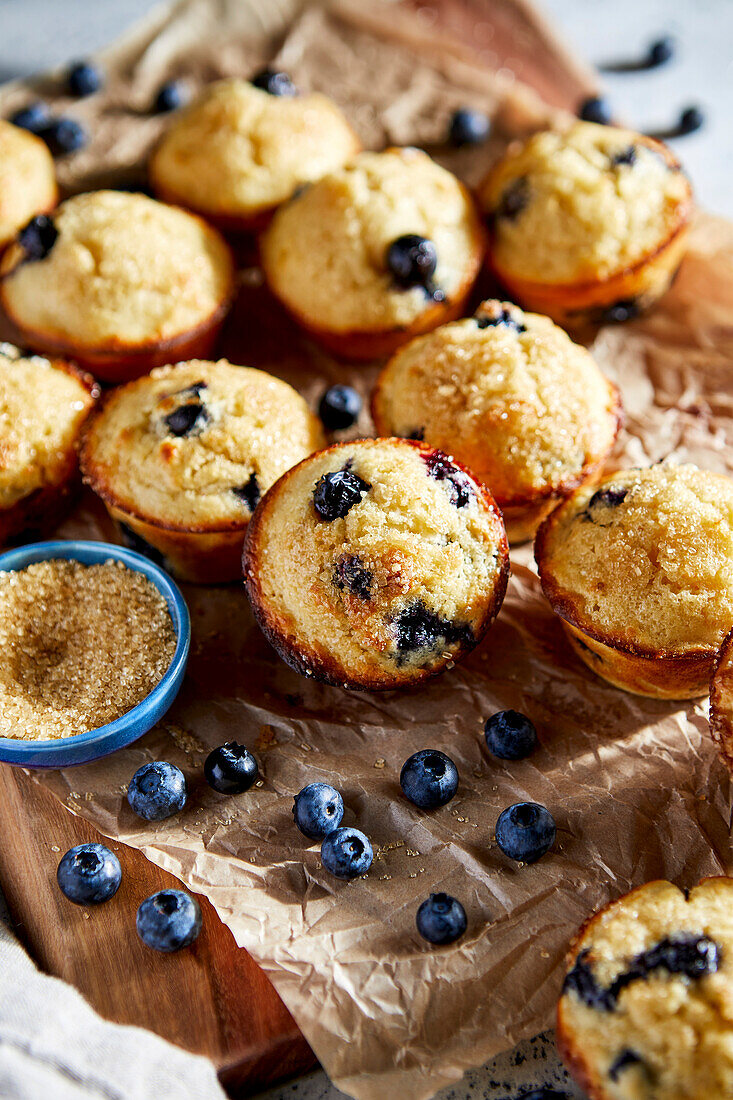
126,284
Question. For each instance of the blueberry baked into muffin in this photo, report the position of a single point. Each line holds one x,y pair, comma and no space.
182,457
43,406
241,150
587,224
640,568
375,253
27,180
721,701
510,395
118,282
646,1011
376,564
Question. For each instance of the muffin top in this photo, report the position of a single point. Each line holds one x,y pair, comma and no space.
239,149
195,445
647,998
43,404
376,562
506,392
582,205
325,254
644,560
122,271
27,179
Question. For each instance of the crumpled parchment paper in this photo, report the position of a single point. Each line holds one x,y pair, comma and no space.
635,785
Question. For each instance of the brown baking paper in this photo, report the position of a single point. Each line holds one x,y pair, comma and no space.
635,786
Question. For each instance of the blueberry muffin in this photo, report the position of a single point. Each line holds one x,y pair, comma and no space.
182,456
640,569
43,405
375,253
241,151
510,395
646,1010
587,224
376,564
118,282
27,180
721,701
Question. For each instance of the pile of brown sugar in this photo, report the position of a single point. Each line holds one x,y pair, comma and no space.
80,645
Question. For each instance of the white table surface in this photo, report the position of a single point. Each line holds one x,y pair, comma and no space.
39,34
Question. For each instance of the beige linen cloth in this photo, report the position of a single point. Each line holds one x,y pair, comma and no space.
53,1045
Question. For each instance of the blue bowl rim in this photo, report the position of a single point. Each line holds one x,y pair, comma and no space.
21,556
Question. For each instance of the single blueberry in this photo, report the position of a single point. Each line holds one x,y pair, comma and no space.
318,810
84,79
581,980
339,407
441,919
661,51
493,316
525,831
514,199
610,497
626,1058
336,494
171,95
412,260
626,156
469,127
416,628
186,418
350,575
626,309
89,874
346,853
231,769
250,492
38,237
595,108
157,790
441,468
429,779
691,119
274,82
64,135
168,920
33,117
510,735
543,1094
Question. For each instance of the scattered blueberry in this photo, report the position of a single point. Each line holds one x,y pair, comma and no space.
318,810
595,108
168,920
339,407
429,779
525,831
412,260
661,51
350,575
336,494
89,874
346,853
171,95
691,119
231,769
441,468
274,82
510,735
64,135
416,628
441,919
514,199
469,127
157,790
186,418
84,79
33,117
626,309
38,237
250,492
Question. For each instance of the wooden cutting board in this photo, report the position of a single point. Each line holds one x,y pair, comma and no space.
212,999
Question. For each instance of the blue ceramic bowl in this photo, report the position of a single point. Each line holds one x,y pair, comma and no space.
62,751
